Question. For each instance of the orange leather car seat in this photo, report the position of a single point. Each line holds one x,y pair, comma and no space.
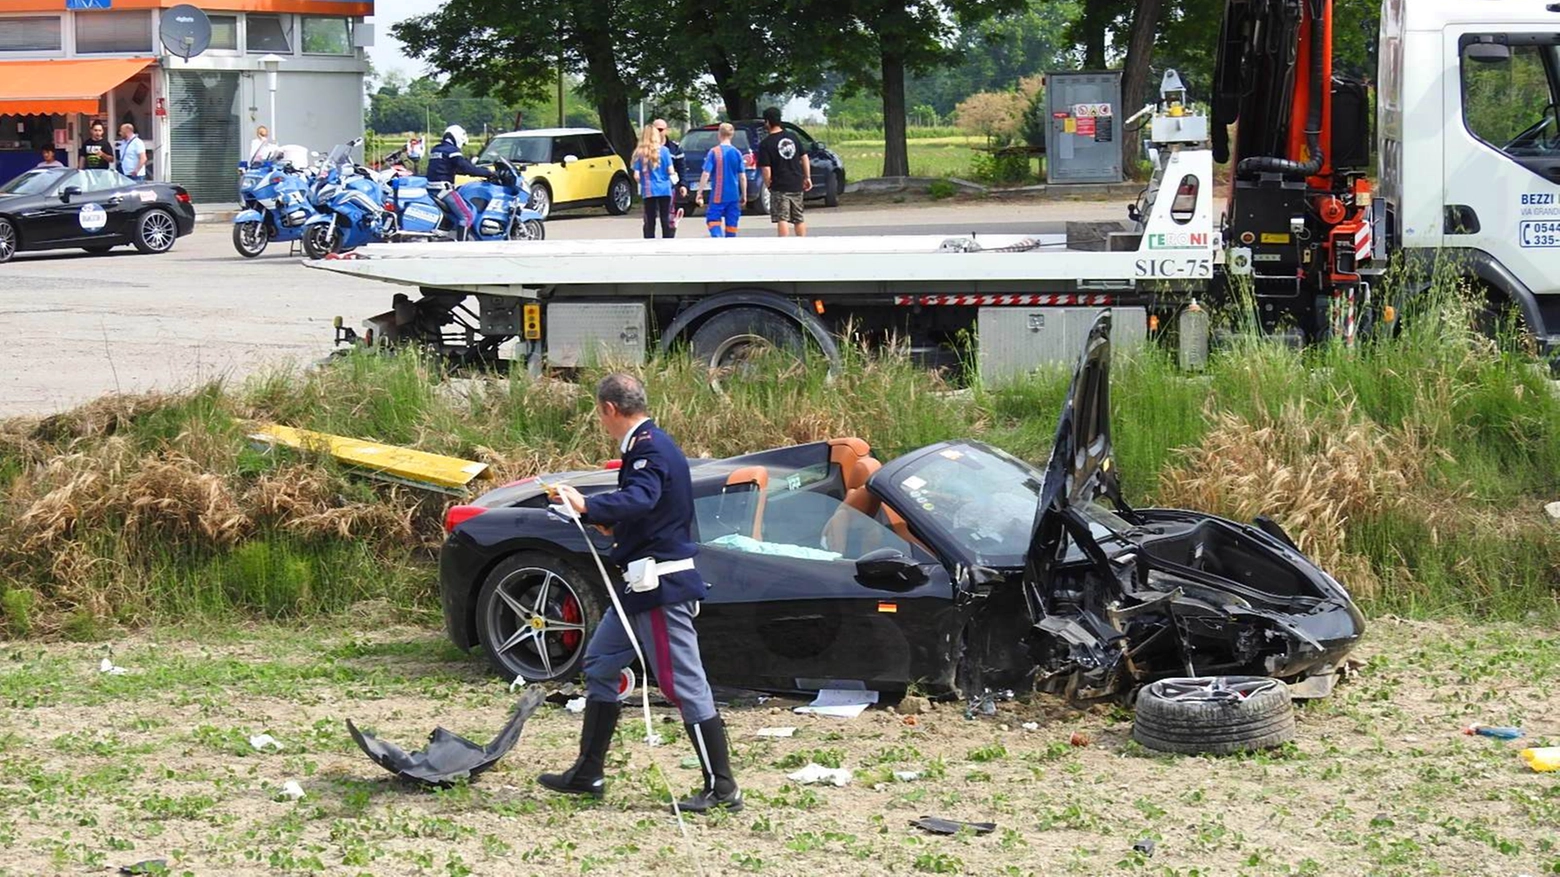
836,532
756,478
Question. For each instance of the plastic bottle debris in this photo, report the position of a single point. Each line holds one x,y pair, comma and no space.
263,742
291,790
1542,760
107,666
817,773
1497,732
776,732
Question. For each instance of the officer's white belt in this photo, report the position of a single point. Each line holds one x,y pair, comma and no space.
645,573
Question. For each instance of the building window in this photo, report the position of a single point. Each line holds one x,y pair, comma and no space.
110,32
40,33
269,33
224,32
326,36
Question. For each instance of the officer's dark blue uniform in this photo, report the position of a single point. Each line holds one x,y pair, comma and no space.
651,516
445,161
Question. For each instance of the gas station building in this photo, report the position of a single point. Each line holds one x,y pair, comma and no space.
67,63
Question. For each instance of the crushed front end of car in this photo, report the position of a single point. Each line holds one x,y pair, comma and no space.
1122,597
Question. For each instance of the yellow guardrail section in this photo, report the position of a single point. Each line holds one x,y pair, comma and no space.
404,464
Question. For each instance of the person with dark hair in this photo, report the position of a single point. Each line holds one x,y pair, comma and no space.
48,158
787,174
650,516
96,152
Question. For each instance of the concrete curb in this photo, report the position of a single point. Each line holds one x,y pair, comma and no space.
215,214
1062,191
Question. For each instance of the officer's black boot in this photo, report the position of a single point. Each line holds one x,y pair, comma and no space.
720,788
588,775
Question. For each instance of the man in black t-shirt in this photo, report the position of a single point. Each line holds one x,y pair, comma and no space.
787,174
96,152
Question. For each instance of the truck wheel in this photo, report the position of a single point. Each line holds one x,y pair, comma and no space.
1214,715
831,191
726,342
620,196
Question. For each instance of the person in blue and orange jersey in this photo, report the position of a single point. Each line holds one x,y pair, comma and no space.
726,182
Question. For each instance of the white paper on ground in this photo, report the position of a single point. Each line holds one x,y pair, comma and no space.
107,666
518,683
291,789
907,776
841,703
817,773
577,705
263,742
776,732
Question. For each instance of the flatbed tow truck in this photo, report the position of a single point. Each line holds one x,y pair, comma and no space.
1469,179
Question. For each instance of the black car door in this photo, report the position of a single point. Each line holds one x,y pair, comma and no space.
818,158
785,610
86,207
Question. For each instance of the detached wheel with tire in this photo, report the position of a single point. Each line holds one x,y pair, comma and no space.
620,195
1214,715
535,613
155,231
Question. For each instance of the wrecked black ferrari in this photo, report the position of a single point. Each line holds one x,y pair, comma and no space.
956,568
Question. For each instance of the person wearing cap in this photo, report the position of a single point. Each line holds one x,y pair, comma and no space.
787,174
679,176
726,181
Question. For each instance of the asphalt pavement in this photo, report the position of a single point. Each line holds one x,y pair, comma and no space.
80,325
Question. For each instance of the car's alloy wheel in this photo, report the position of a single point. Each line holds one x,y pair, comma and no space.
250,239
156,231
534,617
541,199
7,240
620,196
1214,715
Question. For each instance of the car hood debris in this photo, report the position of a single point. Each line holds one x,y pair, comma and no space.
448,757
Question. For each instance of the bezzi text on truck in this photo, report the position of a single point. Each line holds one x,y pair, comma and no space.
1468,142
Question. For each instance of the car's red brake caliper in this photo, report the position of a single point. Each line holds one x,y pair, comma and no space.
571,614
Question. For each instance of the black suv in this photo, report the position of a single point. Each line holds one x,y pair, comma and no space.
828,171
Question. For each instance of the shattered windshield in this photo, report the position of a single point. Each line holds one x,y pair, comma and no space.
983,498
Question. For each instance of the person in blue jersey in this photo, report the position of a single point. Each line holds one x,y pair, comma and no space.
726,181
650,518
653,176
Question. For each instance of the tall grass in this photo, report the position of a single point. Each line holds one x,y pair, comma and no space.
1415,467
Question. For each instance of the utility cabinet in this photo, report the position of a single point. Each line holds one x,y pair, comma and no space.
1083,139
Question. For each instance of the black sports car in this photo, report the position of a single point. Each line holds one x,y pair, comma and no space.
956,567
96,210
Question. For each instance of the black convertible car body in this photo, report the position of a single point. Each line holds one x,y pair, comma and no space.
95,210
955,567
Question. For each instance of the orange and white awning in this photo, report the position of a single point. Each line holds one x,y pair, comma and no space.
62,86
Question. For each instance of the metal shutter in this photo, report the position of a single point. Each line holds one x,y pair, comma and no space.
203,108
41,34
99,32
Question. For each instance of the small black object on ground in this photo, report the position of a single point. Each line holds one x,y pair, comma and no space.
449,757
150,866
938,825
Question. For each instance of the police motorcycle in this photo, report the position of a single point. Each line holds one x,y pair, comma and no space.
354,206
499,208
276,192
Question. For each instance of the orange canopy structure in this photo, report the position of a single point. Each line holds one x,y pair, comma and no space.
60,87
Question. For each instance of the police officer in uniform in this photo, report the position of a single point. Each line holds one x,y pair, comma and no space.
650,517
444,162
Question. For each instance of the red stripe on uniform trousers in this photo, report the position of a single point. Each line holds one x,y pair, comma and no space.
720,174
663,654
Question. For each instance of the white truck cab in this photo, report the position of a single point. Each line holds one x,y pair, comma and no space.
1469,144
